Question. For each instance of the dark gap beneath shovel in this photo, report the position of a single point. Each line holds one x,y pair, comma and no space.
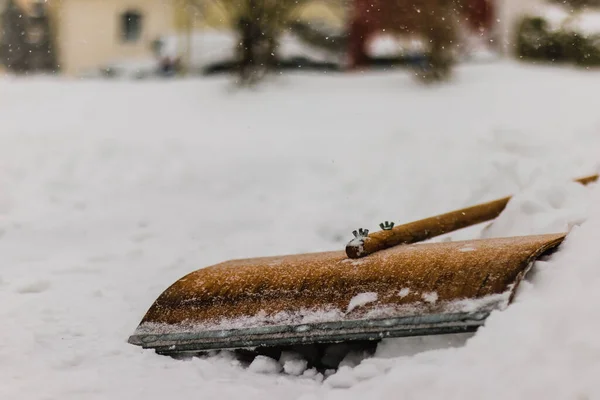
320,356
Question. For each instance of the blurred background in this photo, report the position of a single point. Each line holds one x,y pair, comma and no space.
141,140
165,38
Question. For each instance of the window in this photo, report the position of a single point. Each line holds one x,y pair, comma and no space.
131,26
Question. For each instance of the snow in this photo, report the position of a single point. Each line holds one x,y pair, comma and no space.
430,297
467,249
111,191
265,365
361,299
215,46
329,313
390,45
543,207
207,47
210,46
549,332
293,364
303,316
344,378
33,286
585,22
295,367
555,15
589,23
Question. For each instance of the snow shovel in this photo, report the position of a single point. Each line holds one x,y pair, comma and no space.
394,289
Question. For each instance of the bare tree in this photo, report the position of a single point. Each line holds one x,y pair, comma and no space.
259,25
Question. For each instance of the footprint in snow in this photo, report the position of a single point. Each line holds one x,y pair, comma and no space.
38,286
101,258
141,237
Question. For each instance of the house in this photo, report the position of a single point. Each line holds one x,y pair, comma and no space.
489,22
208,30
430,21
493,21
83,35
88,34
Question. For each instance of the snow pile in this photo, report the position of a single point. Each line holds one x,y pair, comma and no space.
546,207
430,297
544,346
265,365
111,191
554,14
361,299
586,22
302,316
293,364
217,46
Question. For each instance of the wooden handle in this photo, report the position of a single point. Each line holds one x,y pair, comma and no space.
428,228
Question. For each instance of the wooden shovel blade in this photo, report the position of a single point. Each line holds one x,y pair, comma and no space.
418,289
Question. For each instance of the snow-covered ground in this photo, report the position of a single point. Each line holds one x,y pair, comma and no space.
111,191
216,46
210,47
586,22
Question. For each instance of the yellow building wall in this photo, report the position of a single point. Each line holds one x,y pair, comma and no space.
211,14
334,14
88,31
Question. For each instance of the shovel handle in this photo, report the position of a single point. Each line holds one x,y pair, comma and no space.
428,228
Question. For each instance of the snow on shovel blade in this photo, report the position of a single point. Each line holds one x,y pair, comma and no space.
419,289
